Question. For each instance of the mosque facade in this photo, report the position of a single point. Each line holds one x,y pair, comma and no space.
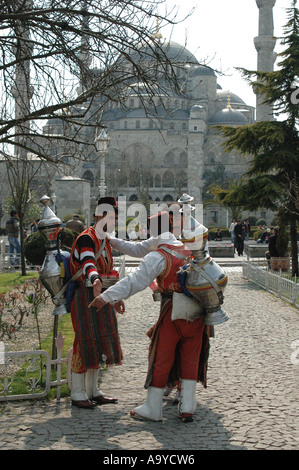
165,144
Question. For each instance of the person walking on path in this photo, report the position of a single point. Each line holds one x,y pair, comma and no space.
96,332
231,230
13,230
239,237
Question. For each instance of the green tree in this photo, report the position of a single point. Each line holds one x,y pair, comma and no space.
220,194
273,145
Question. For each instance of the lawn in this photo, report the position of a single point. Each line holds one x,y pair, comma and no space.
9,281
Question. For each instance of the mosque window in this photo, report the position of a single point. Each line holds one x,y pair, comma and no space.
183,179
168,180
169,159
214,217
137,124
183,159
88,175
157,181
126,125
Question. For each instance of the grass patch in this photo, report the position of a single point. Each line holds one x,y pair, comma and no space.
19,385
30,374
9,281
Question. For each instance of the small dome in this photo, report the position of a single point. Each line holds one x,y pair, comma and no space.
223,95
228,116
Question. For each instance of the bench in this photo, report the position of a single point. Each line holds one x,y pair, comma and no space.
256,251
221,249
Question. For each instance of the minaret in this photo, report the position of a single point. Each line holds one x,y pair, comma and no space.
264,44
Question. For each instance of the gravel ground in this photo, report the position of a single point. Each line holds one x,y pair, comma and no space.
251,402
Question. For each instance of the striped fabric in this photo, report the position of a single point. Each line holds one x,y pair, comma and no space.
85,254
96,333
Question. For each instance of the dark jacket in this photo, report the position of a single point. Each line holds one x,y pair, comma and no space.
12,227
239,230
272,246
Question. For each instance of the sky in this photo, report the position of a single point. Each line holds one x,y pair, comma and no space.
220,33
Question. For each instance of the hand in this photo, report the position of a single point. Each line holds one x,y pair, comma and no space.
97,287
97,303
120,307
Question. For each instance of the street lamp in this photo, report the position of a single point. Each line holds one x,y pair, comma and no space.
102,144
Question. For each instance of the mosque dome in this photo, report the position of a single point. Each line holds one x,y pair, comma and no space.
175,52
203,70
228,116
223,95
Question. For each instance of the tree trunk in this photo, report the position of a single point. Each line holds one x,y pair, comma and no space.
23,266
294,248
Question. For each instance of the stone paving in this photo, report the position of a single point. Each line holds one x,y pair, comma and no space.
251,402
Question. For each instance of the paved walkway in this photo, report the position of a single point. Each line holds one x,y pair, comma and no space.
251,401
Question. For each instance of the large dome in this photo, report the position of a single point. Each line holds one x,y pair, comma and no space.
174,52
228,117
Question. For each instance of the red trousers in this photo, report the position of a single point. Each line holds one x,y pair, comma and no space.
188,337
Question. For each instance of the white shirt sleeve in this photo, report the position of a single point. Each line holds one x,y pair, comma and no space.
137,250
151,266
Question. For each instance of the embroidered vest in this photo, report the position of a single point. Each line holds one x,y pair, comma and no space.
104,264
168,280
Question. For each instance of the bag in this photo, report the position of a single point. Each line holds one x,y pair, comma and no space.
71,286
185,308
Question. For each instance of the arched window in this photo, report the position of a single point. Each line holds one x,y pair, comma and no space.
157,181
183,160
184,179
167,198
88,175
169,160
168,180
133,197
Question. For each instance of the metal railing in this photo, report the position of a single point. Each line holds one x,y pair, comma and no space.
275,283
35,363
